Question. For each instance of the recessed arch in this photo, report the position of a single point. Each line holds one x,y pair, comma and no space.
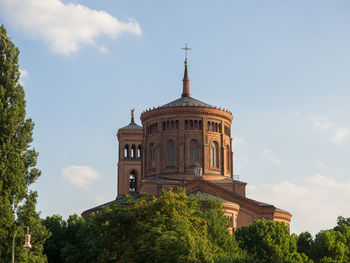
214,154
170,153
194,151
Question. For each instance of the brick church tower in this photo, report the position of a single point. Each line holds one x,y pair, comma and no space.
187,143
129,160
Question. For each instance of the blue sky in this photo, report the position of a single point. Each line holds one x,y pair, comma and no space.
281,67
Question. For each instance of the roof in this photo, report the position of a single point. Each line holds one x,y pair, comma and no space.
132,126
205,196
186,101
226,180
163,179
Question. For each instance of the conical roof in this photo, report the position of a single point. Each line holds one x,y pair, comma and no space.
132,125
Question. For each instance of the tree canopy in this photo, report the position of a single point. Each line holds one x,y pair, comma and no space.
17,161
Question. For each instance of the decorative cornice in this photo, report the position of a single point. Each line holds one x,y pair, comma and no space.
210,111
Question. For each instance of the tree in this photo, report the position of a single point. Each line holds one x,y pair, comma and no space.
333,245
17,159
305,243
330,246
173,227
169,228
53,246
269,241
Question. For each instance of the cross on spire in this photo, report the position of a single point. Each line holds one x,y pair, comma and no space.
186,49
186,80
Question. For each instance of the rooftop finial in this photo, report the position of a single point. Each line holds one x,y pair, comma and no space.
186,49
186,80
132,115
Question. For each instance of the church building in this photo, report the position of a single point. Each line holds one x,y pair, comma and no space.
186,143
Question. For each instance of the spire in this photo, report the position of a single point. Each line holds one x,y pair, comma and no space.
186,80
132,115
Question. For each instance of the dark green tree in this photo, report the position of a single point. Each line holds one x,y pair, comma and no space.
268,241
17,160
305,243
333,245
53,246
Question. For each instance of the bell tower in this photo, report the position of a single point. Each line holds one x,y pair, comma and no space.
129,160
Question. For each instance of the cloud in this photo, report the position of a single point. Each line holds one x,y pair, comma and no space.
79,175
315,203
321,123
24,74
337,135
267,154
65,27
341,135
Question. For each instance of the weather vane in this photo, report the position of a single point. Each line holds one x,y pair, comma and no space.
186,49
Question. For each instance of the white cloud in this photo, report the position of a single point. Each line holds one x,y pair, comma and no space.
79,175
341,135
267,154
315,203
65,27
24,73
321,123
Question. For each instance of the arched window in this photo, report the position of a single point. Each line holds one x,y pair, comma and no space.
193,152
214,155
171,153
139,151
132,181
152,156
126,151
133,151
168,125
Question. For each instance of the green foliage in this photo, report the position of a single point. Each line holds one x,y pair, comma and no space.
17,161
178,228
333,245
305,243
171,228
268,241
